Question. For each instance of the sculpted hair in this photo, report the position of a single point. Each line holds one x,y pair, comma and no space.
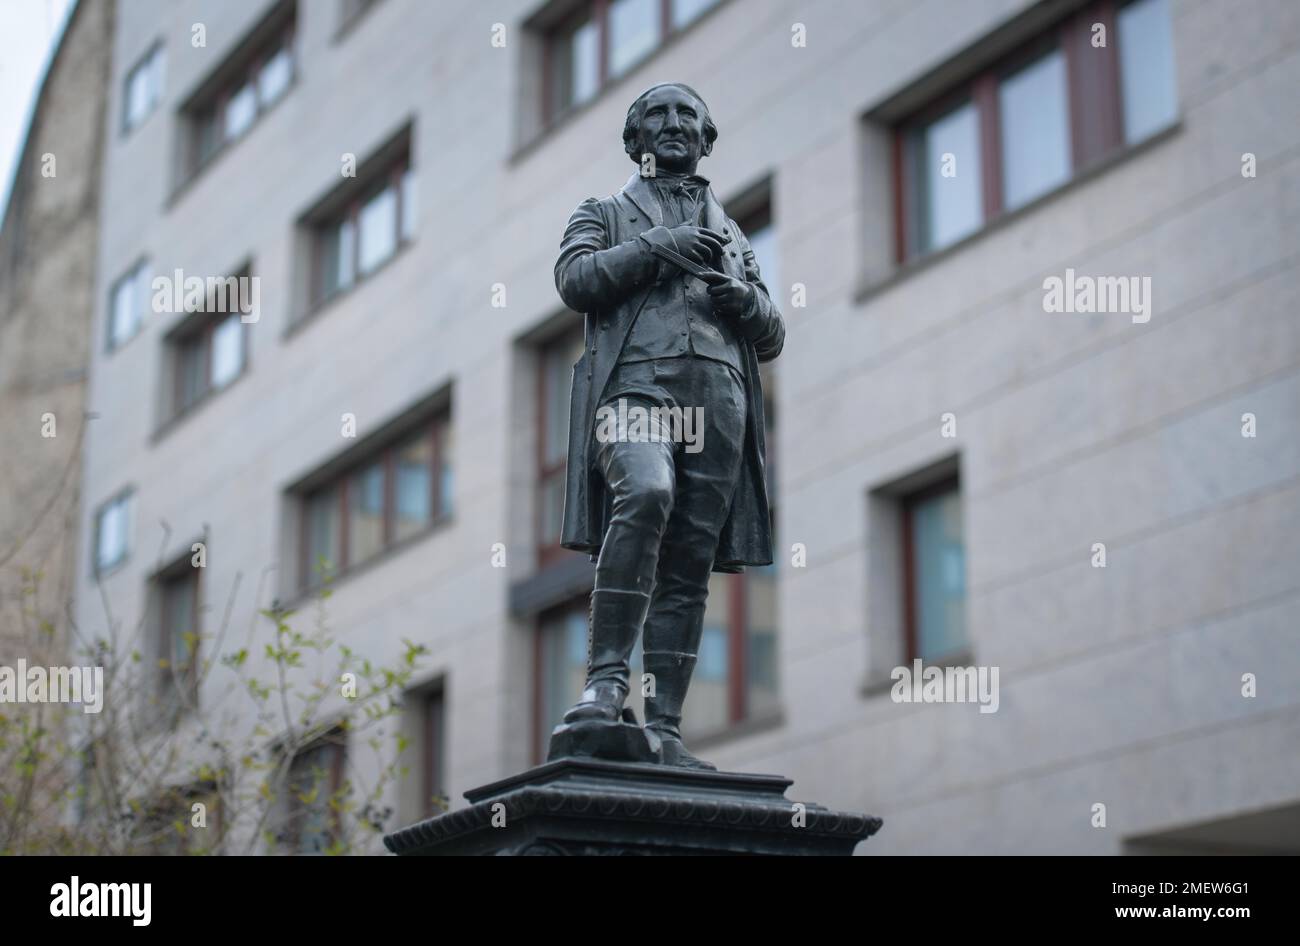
636,111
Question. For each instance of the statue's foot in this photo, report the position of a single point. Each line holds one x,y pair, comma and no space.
600,701
672,752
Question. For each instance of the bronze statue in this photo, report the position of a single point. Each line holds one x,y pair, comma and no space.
677,321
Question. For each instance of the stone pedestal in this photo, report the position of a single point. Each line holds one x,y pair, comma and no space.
597,806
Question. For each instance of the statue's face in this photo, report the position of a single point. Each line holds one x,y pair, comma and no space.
672,129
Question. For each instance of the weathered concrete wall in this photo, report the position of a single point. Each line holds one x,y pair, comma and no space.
48,255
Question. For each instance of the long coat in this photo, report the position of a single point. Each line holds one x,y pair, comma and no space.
606,273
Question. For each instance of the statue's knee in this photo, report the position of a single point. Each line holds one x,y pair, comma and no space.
650,499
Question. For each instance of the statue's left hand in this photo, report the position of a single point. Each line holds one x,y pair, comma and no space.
731,296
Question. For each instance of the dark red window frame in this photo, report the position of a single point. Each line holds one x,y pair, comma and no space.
1096,118
436,429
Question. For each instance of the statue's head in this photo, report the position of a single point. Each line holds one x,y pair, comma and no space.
671,122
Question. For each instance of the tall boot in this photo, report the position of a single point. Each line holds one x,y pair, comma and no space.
616,619
663,711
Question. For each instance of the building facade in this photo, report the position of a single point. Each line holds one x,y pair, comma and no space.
1036,413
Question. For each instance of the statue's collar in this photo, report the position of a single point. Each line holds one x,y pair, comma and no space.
668,177
638,190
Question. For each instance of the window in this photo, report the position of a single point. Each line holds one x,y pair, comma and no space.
113,533
178,637
388,496
950,203
752,627
434,743
365,226
1146,68
561,670
557,359
684,12
126,305
243,88
143,91
1035,139
575,52
210,350
315,787
1037,118
759,229
633,32
751,614
602,40
377,235
934,573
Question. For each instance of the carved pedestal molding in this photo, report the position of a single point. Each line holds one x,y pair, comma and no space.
594,806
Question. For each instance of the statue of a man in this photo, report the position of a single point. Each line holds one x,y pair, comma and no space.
676,318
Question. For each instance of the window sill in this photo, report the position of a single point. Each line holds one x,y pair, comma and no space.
314,313
303,595
180,417
552,584
906,270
